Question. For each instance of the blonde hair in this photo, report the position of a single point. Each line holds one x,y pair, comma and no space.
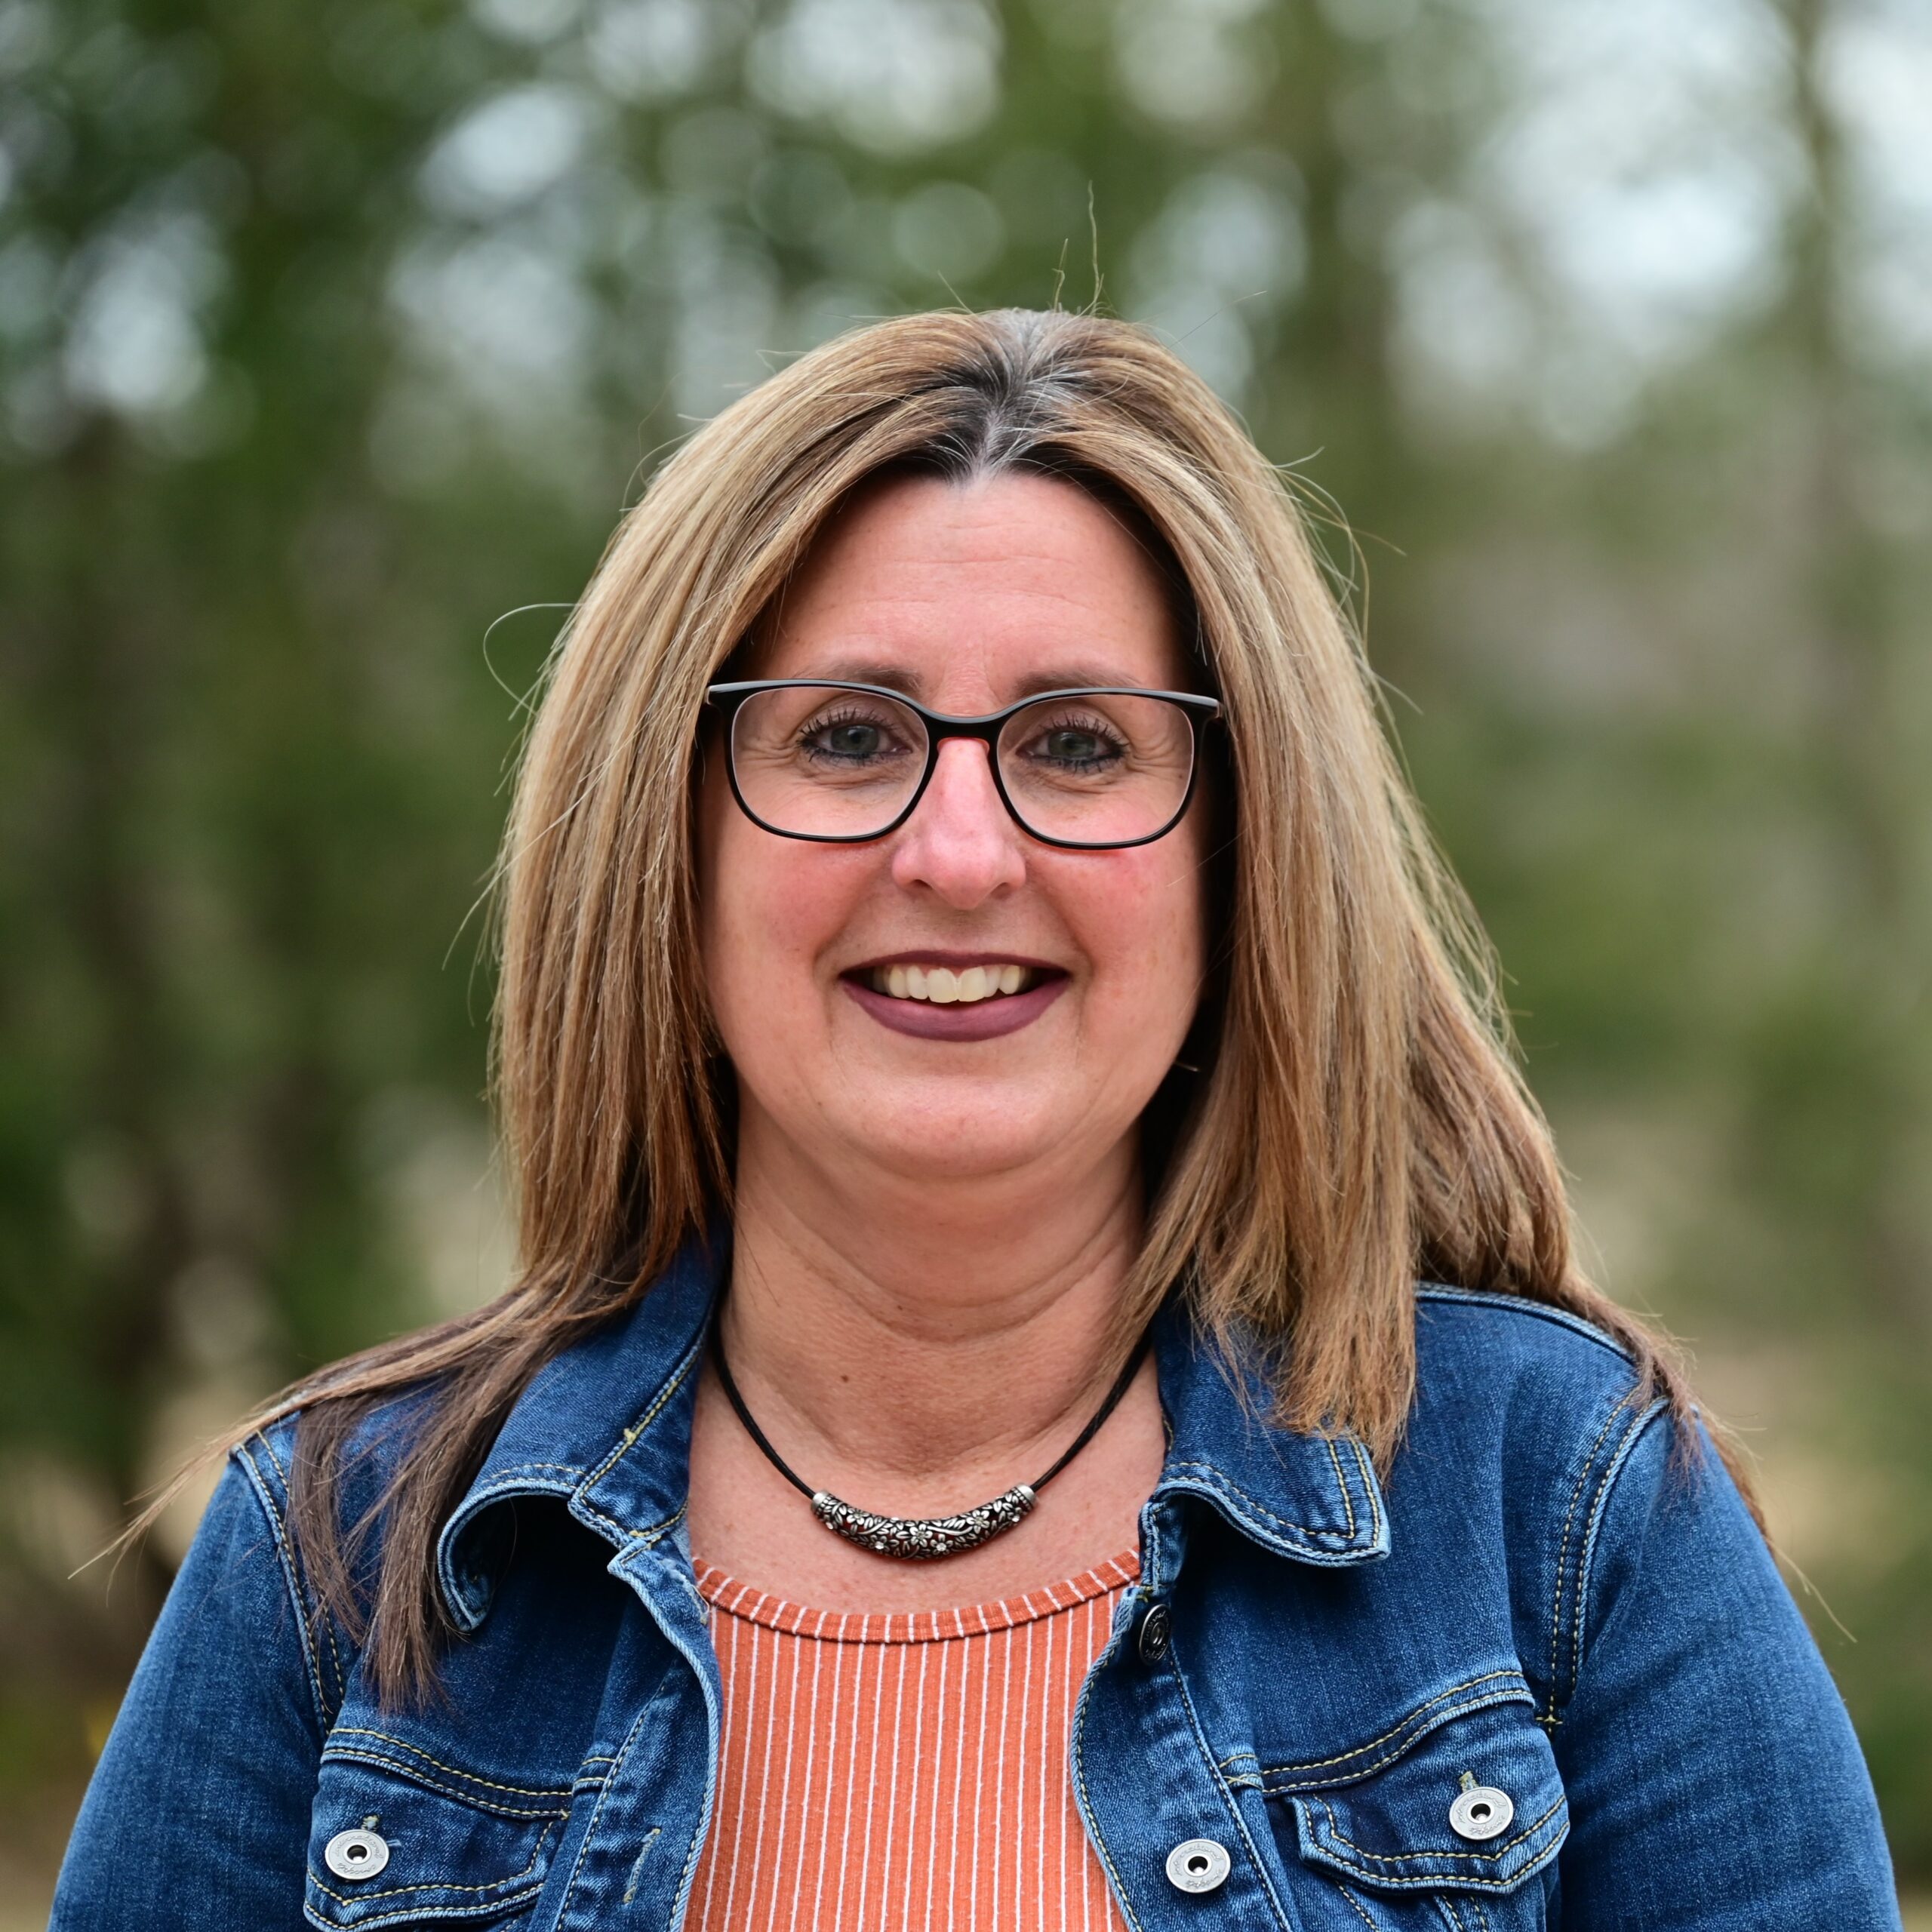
1357,1120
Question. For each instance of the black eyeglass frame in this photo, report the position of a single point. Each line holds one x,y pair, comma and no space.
986,728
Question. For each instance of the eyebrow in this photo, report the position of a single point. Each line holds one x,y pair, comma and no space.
1063,674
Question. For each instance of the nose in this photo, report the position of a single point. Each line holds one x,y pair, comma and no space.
961,842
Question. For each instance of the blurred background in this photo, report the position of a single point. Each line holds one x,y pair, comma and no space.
335,338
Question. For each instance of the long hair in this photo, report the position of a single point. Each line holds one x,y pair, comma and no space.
1357,1120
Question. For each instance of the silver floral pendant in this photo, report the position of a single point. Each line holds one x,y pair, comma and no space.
923,1536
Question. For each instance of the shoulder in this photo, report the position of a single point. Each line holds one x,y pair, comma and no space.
363,1451
362,1458
1539,1426
1537,1405
1513,1327
1528,1376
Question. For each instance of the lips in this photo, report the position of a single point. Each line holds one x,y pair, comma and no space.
954,996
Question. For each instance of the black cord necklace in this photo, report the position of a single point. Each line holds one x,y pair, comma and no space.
920,1536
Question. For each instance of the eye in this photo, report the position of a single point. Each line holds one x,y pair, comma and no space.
850,735
1075,743
849,740
1075,746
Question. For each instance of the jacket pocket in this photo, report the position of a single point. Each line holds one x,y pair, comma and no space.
1446,1826
421,1840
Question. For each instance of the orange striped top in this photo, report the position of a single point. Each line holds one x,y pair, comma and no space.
881,1773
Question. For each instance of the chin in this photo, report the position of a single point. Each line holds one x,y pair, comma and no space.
993,1137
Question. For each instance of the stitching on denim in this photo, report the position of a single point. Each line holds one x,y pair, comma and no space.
650,1416
514,1469
416,1751
1586,1550
1557,1318
296,1584
1482,1917
618,1530
1099,1843
328,1623
1446,1907
596,1812
1360,1911
473,1503
1563,1549
1294,1787
1261,1508
650,1538
433,1885
1227,1794
686,1871
261,1435
321,1615
1576,1595
415,1914
643,1851
1342,1483
1408,1857
1371,1488
291,1580
1394,1730
622,1533
1467,1881
362,1754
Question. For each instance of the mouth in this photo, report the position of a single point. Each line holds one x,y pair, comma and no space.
945,986
933,996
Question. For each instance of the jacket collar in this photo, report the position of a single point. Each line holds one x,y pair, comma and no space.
1311,1496
606,1428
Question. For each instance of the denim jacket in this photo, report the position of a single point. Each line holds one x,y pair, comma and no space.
1314,1669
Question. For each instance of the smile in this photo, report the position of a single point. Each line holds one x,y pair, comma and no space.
961,1002
940,986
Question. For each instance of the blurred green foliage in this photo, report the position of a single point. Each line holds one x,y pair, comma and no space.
332,336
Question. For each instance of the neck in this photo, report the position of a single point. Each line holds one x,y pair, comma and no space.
908,1340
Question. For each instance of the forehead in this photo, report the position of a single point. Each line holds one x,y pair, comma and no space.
984,589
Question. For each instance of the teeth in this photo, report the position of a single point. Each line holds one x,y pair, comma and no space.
941,986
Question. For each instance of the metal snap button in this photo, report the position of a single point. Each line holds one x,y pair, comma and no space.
357,1854
1198,1865
1157,1630
1480,1810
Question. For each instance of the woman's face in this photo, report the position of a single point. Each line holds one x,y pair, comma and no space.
966,597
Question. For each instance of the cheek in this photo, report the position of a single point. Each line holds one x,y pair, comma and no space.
1142,922
767,907
740,949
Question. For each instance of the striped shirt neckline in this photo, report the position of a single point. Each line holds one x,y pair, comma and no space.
753,1605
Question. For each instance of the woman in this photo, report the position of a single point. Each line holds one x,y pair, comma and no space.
1048,1385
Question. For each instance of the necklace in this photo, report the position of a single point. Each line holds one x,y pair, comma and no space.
921,1537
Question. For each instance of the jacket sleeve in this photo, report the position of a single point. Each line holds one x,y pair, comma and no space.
1714,1782
196,1818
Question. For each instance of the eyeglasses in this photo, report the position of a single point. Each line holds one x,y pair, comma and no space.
1091,769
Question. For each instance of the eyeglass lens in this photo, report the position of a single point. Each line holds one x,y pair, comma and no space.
818,761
